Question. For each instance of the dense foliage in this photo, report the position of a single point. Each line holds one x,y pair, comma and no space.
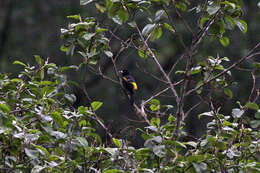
43,130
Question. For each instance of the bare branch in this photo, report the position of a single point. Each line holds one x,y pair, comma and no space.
95,117
191,109
159,65
225,71
171,22
153,76
155,95
187,26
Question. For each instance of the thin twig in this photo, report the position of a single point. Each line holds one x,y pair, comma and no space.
192,108
149,73
187,26
159,65
253,87
155,95
223,72
95,117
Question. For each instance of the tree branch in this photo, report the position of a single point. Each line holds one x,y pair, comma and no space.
226,70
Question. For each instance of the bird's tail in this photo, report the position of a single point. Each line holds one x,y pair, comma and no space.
131,98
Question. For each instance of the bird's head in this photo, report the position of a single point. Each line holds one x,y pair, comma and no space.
124,72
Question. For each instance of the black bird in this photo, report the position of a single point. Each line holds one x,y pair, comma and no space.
129,84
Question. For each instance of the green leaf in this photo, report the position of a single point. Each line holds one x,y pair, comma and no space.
209,114
255,123
108,53
257,114
195,158
200,167
88,36
42,74
57,118
154,104
154,107
219,67
148,29
19,63
224,41
83,142
42,149
256,65
63,48
252,105
38,59
117,20
37,169
169,27
203,20
85,2
150,143
123,15
181,6
237,113
179,72
117,142
225,59
101,8
228,23
241,24
70,97
158,15
112,151
191,143
92,60
32,154
146,170
195,70
230,4
171,118
76,17
175,143
213,9
132,24
228,92
156,121
98,30
65,68
113,171
5,108
156,34
159,150
152,128
96,105
143,53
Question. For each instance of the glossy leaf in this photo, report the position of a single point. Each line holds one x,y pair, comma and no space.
96,105
224,41
228,92
252,105
241,24
148,29
117,142
237,113
213,9
85,2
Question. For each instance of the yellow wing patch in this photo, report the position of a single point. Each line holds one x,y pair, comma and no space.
135,85
125,79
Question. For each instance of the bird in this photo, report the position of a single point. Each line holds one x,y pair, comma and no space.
129,84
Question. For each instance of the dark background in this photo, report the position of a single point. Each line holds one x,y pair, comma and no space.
32,27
